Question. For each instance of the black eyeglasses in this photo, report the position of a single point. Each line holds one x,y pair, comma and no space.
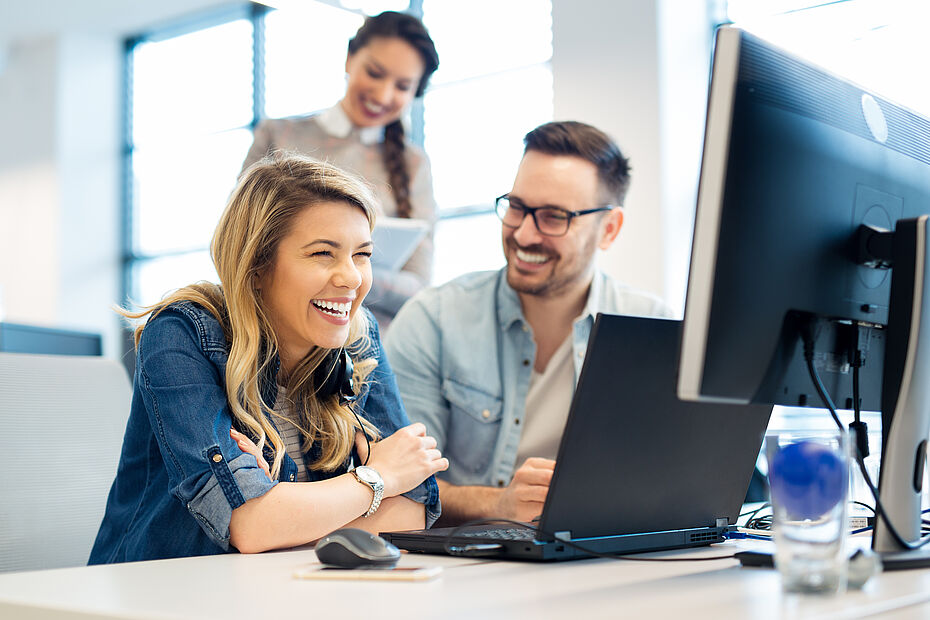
550,221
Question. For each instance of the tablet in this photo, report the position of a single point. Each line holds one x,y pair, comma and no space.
395,239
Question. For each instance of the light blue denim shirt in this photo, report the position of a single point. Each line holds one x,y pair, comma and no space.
180,474
463,356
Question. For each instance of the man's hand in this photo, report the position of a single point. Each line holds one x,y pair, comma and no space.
524,497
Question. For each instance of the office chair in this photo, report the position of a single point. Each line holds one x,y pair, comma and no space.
62,420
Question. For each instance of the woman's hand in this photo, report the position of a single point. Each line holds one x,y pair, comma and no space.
405,459
247,445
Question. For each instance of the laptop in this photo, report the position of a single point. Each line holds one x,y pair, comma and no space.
637,469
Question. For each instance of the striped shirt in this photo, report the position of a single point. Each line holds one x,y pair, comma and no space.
290,433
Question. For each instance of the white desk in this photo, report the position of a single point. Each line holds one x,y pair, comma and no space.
261,586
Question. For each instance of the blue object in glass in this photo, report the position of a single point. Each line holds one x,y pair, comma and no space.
808,479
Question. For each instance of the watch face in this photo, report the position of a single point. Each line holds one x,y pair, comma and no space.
368,474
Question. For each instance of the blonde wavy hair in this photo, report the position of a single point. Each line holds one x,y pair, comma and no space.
259,214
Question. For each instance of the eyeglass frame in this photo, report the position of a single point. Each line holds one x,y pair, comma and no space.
531,211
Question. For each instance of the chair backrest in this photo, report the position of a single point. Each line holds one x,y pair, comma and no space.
62,419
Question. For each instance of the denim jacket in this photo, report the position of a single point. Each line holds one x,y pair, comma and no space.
463,354
180,474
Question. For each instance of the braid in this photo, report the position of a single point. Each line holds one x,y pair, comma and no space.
395,25
395,162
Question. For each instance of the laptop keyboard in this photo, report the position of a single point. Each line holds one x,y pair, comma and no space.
510,533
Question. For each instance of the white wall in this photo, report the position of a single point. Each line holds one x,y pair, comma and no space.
60,147
59,162
89,138
638,70
684,41
30,234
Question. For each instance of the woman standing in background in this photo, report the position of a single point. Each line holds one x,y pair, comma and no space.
389,63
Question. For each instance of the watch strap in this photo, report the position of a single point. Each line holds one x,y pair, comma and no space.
377,489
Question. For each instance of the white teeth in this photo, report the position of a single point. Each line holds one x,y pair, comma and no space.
531,258
333,308
374,109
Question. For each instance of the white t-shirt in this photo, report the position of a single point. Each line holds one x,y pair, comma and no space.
547,402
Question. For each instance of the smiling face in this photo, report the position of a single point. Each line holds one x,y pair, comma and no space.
382,80
320,275
550,266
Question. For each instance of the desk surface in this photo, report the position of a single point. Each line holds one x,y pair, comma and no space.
262,586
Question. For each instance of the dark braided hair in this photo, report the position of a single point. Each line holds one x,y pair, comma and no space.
589,143
391,24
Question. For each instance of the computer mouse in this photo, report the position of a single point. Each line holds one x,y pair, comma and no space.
354,548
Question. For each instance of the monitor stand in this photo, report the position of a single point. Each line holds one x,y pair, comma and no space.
905,395
903,560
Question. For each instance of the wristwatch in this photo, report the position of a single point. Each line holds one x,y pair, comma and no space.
371,478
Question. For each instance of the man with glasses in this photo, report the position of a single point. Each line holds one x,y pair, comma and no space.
489,361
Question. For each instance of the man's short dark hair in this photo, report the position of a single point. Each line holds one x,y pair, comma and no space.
589,143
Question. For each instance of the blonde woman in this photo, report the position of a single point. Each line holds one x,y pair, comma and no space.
264,412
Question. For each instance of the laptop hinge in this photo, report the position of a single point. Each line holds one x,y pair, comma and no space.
723,522
564,535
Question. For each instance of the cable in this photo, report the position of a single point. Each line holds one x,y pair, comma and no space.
879,509
808,338
764,523
863,504
753,513
860,461
859,428
451,550
857,364
367,441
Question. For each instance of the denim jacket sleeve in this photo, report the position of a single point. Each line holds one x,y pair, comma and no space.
383,407
181,376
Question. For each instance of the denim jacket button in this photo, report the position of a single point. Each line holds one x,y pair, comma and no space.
217,458
485,414
292,477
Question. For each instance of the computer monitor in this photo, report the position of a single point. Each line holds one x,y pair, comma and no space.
802,173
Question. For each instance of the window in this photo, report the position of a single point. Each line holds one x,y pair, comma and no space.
305,58
483,99
194,93
876,43
190,109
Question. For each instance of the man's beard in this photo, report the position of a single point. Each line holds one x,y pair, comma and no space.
562,275
549,287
